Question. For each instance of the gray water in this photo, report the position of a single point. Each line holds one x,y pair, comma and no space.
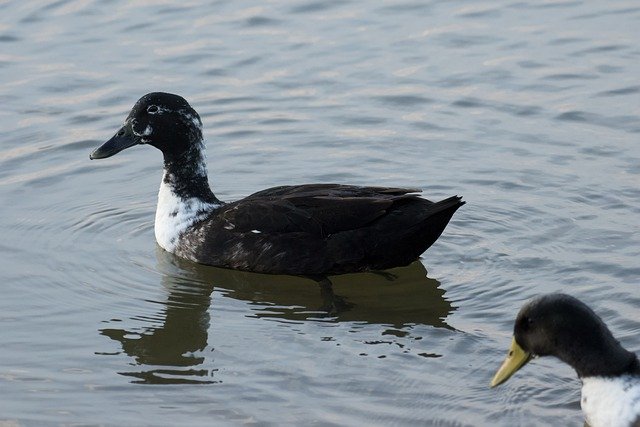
529,109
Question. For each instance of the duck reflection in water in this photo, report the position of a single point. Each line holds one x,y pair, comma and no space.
396,299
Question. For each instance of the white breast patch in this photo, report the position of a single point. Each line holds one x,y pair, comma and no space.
175,215
611,402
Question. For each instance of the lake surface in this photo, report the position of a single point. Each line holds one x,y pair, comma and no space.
529,109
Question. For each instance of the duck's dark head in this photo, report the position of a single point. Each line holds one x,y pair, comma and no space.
562,326
163,120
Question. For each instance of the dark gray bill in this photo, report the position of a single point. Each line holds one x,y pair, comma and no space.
121,140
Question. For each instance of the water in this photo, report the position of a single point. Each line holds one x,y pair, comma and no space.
529,109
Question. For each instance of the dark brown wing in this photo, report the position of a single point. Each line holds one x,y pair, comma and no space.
318,190
319,209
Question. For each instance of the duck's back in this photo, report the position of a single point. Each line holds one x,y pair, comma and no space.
319,229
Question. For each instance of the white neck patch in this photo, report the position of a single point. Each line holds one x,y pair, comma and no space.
174,215
611,401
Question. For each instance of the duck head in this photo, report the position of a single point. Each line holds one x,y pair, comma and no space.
562,326
163,120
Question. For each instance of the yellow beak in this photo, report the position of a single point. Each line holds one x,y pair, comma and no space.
515,360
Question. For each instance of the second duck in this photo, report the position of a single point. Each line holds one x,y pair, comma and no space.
314,229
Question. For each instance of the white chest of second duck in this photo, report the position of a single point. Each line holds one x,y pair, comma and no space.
175,215
611,402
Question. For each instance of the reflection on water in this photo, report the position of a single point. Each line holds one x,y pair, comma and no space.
171,350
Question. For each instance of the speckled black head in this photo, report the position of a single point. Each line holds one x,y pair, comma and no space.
163,120
562,326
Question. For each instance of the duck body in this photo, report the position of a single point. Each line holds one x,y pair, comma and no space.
562,326
312,229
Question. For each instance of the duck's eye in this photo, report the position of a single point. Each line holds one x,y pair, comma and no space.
152,109
525,323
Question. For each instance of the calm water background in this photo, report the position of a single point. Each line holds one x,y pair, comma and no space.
529,109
